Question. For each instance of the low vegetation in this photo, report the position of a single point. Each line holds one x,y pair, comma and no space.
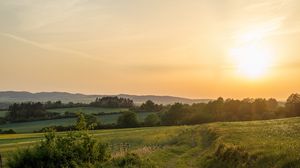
270,143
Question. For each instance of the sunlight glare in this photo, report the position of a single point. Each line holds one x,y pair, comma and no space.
252,60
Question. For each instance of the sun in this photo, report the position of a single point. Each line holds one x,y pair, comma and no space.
252,60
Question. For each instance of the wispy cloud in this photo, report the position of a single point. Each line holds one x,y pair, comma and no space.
260,31
277,13
271,4
49,47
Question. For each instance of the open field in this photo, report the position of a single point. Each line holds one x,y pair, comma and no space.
88,110
28,127
271,143
3,113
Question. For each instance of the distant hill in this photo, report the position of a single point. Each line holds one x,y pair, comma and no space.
7,97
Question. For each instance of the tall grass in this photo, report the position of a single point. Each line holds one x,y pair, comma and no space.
270,143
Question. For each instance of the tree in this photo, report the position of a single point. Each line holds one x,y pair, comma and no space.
85,122
293,105
176,115
2,120
128,119
81,124
10,131
152,120
91,121
27,111
112,102
272,104
245,109
150,106
260,109
218,108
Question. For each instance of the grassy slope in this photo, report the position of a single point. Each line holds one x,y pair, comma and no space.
273,143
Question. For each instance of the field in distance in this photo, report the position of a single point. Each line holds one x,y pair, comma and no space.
270,143
88,110
28,127
3,113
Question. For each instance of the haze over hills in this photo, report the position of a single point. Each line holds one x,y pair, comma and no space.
22,96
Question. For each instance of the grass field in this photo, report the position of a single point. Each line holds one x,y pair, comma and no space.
3,113
272,143
88,110
28,127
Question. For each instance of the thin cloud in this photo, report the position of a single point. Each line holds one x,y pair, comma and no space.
272,4
48,46
261,31
287,31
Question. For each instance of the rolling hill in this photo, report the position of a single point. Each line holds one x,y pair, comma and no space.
7,97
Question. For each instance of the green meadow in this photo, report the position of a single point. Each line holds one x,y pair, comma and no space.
28,127
88,110
3,113
269,143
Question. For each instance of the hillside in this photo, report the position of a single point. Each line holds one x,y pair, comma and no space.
13,96
270,143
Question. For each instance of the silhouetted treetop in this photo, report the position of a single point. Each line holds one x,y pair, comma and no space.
112,102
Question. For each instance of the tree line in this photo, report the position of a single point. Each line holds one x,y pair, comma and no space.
247,109
18,112
213,111
230,110
112,102
177,114
31,111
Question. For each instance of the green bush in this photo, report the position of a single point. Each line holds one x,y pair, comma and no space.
128,120
152,120
10,131
74,150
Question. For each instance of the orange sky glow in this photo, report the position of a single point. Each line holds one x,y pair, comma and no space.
196,49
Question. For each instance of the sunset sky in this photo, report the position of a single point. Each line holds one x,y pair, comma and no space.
191,48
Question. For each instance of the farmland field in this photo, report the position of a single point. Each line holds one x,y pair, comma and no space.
3,113
88,110
27,127
270,143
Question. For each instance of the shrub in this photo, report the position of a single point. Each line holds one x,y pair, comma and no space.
128,119
152,120
74,150
10,131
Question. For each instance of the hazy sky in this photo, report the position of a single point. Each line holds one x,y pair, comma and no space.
190,48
